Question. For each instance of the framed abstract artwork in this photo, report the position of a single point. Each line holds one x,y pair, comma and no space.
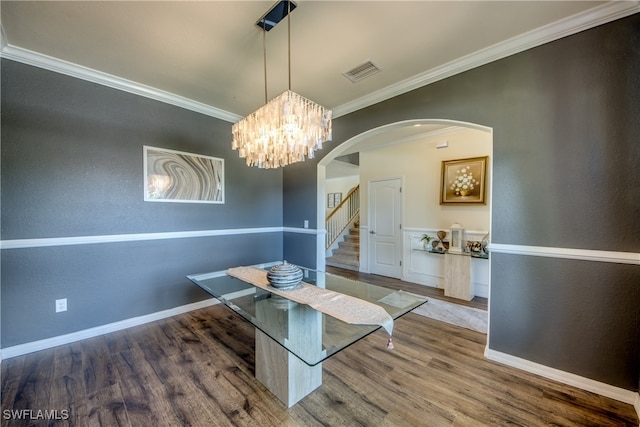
176,176
464,181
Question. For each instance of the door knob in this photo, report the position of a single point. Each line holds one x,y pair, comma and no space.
372,232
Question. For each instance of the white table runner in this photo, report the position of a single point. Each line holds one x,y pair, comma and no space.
343,307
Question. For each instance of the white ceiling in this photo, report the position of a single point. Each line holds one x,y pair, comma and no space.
210,52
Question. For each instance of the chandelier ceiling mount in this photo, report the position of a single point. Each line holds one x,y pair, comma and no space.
290,127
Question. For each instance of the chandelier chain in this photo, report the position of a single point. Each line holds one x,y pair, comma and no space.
289,39
264,51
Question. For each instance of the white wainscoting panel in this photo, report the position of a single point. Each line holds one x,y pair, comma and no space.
420,266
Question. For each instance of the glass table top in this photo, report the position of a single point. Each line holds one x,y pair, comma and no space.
309,334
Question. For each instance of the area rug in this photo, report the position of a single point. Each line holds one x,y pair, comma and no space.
454,314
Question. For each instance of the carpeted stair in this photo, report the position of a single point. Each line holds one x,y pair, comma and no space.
347,255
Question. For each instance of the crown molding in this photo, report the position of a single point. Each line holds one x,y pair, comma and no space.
50,63
579,22
565,27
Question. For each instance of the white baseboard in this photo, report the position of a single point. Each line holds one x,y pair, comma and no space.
617,393
21,349
30,347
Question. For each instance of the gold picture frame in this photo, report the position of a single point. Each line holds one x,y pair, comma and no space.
464,181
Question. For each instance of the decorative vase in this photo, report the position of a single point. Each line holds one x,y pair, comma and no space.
464,192
284,276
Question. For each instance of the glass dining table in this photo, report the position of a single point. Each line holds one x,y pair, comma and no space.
292,339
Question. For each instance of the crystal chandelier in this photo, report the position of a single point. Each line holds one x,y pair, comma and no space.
287,129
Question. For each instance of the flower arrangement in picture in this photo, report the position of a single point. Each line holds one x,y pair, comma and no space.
464,183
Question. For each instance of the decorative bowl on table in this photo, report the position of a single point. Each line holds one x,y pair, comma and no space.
284,276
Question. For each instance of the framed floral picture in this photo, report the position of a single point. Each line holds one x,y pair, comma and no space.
464,181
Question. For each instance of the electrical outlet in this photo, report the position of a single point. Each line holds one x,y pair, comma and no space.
306,223
61,305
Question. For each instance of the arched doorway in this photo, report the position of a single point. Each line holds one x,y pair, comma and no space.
392,134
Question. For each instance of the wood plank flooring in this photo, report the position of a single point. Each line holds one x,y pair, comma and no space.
197,369
388,282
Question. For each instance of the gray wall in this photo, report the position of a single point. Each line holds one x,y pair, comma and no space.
72,166
300,205
566,127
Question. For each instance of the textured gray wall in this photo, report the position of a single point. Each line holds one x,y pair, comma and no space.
566,127
300,248
577,316
72,162
72,166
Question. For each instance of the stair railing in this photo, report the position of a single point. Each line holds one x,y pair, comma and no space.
340,218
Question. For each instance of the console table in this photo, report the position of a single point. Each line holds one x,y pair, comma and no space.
458,273
293,339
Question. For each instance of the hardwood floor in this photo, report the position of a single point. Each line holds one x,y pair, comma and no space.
197,369
476,302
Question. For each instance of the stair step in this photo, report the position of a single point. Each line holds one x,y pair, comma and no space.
345,253
342,263
353,245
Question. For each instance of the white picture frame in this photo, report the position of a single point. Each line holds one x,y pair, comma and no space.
181,177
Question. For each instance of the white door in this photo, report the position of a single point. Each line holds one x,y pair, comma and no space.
385,227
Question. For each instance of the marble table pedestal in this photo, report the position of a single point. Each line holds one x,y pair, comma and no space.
283,373
457,276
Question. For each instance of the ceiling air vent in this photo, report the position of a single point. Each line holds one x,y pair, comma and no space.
361,71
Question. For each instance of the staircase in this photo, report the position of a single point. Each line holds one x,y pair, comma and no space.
343,227
347,255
